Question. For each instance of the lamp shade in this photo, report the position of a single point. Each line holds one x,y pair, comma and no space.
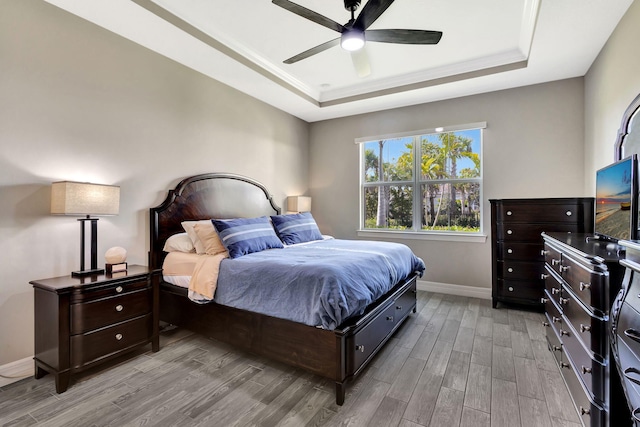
299,204
83,198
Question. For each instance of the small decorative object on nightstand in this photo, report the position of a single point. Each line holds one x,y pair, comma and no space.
81,322
115,260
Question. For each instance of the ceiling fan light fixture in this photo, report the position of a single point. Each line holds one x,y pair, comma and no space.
352,40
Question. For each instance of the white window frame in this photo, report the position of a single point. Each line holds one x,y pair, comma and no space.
416,232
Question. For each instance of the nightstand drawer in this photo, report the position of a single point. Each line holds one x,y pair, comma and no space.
96,292
94,346
107,311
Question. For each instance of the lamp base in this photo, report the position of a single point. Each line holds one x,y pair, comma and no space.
85,273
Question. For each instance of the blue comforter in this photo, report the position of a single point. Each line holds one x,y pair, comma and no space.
318,284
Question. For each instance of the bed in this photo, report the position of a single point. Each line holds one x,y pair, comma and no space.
338,353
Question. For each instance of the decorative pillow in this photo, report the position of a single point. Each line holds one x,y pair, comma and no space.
243,236
191,231
296,228
180,242
208,235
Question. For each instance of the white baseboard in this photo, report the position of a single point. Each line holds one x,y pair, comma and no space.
450,289
15,371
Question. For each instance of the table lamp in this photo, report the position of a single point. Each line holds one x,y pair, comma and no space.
83,198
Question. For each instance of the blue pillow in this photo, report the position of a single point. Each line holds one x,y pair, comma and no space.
296,228
243,236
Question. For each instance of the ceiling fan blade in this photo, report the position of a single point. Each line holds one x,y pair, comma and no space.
403,36
307,53
309,14
370,12
361,62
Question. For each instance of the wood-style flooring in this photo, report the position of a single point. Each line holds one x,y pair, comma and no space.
456,362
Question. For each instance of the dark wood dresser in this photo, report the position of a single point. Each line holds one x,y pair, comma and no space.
625,330
81,322
582,278
516,249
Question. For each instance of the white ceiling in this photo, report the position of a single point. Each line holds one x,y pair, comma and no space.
487,45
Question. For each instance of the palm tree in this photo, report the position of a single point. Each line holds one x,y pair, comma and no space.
454,147
383,197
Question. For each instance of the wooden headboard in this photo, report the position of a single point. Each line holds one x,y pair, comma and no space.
211,195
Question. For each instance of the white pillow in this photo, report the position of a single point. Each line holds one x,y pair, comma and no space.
189,228
180,242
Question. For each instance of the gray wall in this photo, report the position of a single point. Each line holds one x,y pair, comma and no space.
533,147
613,81
80,103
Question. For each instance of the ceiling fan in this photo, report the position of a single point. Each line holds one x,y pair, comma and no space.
355,33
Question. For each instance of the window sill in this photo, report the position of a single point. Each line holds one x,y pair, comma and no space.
445,237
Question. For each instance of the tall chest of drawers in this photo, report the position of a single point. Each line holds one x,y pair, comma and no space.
582,277
517,260
83,322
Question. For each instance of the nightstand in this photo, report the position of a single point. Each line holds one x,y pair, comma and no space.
81,322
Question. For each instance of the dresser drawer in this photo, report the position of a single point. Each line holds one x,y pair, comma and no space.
590,372
591,413
554,344
107,311
589,329
586,283
553,258
86,294
94,346
554,316
509,270
552,285
520,251
543,212
530,232
520,289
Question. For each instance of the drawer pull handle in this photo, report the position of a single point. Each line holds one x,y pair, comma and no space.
510,270
509,213
563,268
633,334
636,414
390,318
543,252
555,319
398,307
509,232
564,365
555,261
557,348
360,348
119,337
119,289
544,276
510,288
568,213
584,286
545,324
544,300
586,370
585,411
564,301
555,291
509,251
563,332
119,307
585,328
632,375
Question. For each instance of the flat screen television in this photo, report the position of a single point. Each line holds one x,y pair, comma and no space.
616,201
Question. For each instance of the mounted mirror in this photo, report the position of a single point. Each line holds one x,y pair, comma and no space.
628,141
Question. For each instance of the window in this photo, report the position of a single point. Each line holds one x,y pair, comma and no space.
441,192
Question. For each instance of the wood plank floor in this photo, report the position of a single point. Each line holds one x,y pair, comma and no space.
456,362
